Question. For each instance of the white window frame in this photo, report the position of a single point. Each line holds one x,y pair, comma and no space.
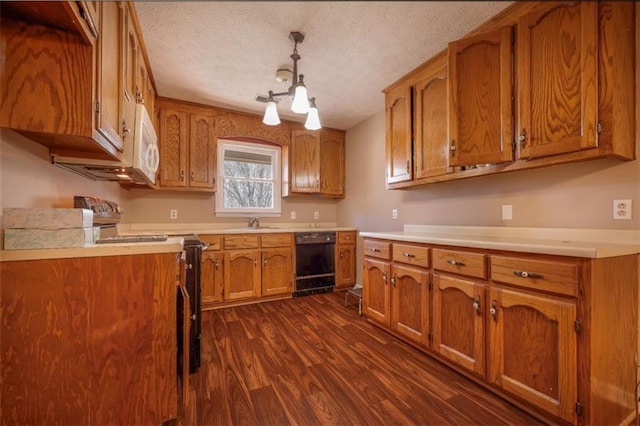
271,150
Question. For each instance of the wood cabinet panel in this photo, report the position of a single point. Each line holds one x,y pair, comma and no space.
345,265
277,271
480,70
459,312
346,237
104,352
211,277
380,249
173,147
305,160
214,241
241,241
411,254
460,262
332,162
376,292
534,350
276,240
557,79
202,151
398,134
553,276
410,302
431,134
241,274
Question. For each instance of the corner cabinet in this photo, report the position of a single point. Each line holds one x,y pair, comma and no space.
187,144
314,163
540,84
550,333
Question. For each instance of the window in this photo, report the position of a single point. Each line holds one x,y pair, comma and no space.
248,179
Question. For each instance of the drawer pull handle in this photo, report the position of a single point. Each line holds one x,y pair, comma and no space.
375,250
476,304
525,274
454,262
384,278
408,255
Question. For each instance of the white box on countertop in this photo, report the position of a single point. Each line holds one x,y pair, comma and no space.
21,218
28,239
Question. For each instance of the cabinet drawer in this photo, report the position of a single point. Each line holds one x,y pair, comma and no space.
348,237
240,241
276,240
379,249
413,255
214,241
552,276
460,262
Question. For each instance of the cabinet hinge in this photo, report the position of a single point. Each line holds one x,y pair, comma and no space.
578,326
578,408
97,107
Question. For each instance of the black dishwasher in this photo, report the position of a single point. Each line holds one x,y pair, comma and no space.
315,263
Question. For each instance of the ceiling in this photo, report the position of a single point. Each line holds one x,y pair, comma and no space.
226,53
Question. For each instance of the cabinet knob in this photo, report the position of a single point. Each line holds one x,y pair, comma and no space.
526,274
265,262
494,309
394,279
476,304
125,129
384,278
455,262
452,148
192,178
182,175
409,255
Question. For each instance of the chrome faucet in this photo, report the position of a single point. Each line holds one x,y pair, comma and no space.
254,222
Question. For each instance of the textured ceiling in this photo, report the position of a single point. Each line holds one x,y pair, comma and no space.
226,53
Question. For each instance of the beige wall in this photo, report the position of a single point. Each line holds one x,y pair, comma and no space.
28,179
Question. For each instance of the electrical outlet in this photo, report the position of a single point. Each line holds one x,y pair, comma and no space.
316,215
293,215
173,214
622,209
394,214
507,212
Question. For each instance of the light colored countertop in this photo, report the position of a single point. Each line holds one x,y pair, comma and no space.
208,228
172,245
589,243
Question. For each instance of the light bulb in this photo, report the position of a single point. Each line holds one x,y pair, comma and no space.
271,114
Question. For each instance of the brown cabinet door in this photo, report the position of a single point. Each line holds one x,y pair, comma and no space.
173,147
277,271
345,265
202,151
376,290
212,276
557,79
305,161
129,63
458,322
480,99
109,48
332,162
241,274
532,342
410,302
431,141
398,136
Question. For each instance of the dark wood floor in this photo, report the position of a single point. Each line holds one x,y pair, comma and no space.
311,361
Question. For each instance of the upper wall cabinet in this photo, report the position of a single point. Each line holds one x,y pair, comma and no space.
398,134
187,143
557,79
67,91
480,94
542,83
314,163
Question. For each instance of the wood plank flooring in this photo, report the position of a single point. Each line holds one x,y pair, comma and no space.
311,361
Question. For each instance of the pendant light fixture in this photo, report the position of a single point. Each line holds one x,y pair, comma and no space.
300,104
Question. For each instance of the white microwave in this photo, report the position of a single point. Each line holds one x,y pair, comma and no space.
139,161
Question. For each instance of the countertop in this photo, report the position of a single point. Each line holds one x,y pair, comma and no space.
588,243
172,245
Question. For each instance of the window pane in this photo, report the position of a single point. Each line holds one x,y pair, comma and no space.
246,164
243,193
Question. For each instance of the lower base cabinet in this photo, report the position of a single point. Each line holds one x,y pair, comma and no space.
89,340
556,335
